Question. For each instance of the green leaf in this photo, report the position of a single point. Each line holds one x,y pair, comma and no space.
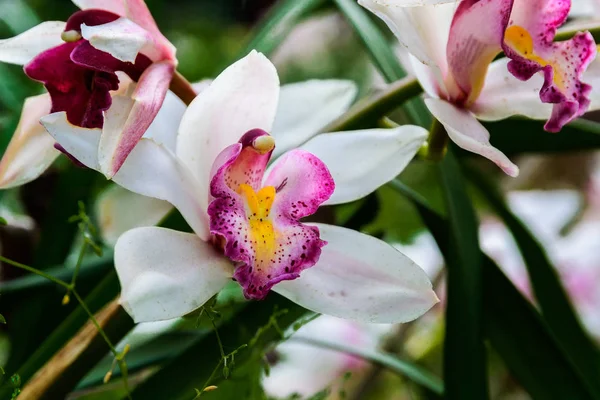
374,40
549,292
382,55
277,23
520,135
105,291
511,324
2,319
2,221
464,352
192,368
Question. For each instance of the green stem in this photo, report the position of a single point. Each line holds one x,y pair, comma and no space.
79,262
37,272
367,112
437,144
95,322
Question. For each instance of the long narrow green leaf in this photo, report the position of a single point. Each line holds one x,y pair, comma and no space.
374,40
106,290
383,57
464,352
520,135
278,22
513,327
549,292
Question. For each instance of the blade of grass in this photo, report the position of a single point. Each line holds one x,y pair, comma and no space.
464,352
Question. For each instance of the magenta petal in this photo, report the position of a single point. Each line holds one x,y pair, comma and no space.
82,93
91,17
529,44
472,45
148,98
259,228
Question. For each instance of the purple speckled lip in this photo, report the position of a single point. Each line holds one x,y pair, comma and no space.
562,63
259,222
79,77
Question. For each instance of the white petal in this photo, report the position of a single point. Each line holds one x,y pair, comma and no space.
592,77
120,210
81,143
163,129
122,38
423,30
24,47
31,150
241,98
306,107
361,278
361,161
503,95
152,170
468,133
166,274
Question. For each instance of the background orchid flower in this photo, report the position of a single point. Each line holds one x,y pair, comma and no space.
451,54
247,219
78,61
301,368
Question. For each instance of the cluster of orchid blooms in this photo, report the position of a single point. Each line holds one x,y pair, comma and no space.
244,162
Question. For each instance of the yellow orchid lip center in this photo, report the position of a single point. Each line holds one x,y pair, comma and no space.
520,40
70,36
262,235
263,144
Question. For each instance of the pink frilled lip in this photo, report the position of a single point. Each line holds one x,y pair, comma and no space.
562,63
300,181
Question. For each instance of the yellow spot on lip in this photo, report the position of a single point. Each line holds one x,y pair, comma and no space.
263,144
520,40
261,231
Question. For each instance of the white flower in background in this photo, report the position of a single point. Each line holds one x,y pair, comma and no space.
304,369
246,218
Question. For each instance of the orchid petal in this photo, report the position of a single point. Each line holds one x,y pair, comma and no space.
163,130
122,39
362,161
120,210
24,47
80,143
241,98
136,11
503,96
31,150
166,274
362,278
592,77
422,30
468,133
528,42
259,227
128,118
472,45
306,107
150,170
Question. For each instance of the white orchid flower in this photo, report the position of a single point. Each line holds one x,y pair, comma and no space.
246,221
